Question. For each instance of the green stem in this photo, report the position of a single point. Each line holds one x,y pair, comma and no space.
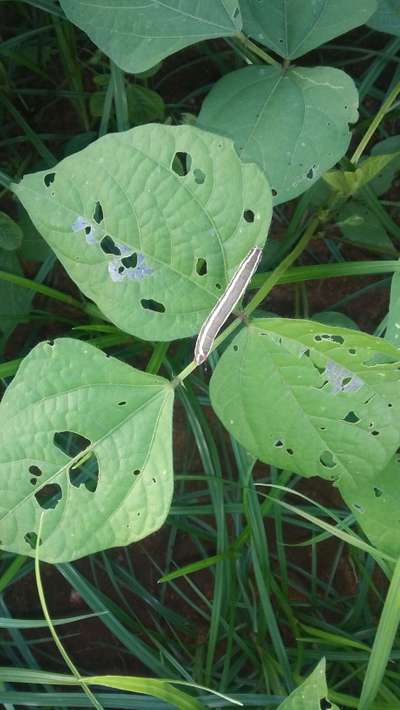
256,50
386,106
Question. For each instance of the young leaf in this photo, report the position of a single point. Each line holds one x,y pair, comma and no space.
293,123
346,182
293,27
311,693
387,17
393,324
312,399
151,223
137,35
87,439
10,233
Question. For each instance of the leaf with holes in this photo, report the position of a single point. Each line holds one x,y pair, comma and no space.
294,124
137,35
145,224
293,27
387,17
311,693
87,439
312,399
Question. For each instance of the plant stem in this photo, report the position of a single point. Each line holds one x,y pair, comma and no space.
256,50
386,106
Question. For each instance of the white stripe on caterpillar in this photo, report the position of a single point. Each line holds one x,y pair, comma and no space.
225,304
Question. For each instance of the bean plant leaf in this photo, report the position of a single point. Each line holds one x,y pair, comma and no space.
10,233
33,247
310,694
88,440
292,28
348,182
387,17
383,180
145,224
360,226
294,124
393,322
137,35
312,399
15,301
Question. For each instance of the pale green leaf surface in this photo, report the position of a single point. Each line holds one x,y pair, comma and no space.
312,399
137,35
309,694
10,233
293,27
347,182
387,17
383,180
393,324
15,301
126,416
294,124
144,105
170,223
359,225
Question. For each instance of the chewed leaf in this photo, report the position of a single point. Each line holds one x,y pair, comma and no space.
311,694
315,106
88,440
131,215
387,17
137,35
312,399
293,27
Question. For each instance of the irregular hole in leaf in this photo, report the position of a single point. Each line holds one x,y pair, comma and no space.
278,444
375,433
378,492
85,472
341,379
150,305
274,192
358,507
201,266
181,163
108,246
70,443
31,539
49,496
120,404
290,452
218,286
154,480
199,176
327,459
235,13
312,172
325,704
130,262
49,179
35,470
351,417
98,213
236,348
249,216
136,472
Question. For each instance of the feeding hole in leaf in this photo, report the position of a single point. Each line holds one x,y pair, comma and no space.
98,213
150,305
312,172
278,444
236,348
49,496
85,472
352,351
375,433
236,13
201,266
35,470
154,480
49,179
328,336
325,704
327,459
31,539
249,216
130,262
378,492
358,507
274,192
218,286
108,246
181,163
351,417
136,472
290,452
70,443
199,176
120,404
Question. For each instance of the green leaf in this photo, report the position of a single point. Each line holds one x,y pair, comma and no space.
387,17
144,223
335,318
10,233
87,439
15,301
376,506
393,324
347,182
359,225
293,27
311,399
144,105
310,693
33,247
293,123
138,35
383,180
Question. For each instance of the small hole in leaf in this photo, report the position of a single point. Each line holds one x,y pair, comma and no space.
181,163
70,443
378,492
249,215
351,417
274,192
290,452
358,507
98,213
150,305
49,496
390,404
236,348
154,480
278,444
130,262
199,176
311,173
136,472
49,179
201,266
35,470
108,246
218,286
236,13
121,404
327,459
50,342
325,704
33,481
31,539
375,433
85,473
352,351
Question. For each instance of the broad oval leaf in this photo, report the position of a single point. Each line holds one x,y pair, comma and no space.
10,233
293,124
137,35
309,398
87,440
311,693
151,223
387,17
293,27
